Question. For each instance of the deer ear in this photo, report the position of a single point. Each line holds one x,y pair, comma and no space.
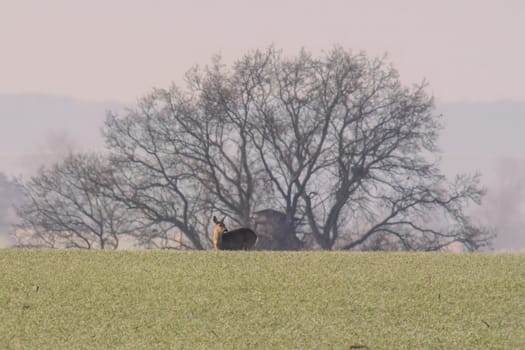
222,221
215,219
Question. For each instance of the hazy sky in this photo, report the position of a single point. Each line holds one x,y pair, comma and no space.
111,52
119,49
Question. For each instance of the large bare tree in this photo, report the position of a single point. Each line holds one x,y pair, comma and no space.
336,141
354,151
349,148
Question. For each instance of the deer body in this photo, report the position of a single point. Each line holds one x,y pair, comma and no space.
238,239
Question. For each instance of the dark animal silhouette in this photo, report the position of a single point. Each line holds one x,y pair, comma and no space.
238,239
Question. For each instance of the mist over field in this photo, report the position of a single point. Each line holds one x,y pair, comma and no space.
486,137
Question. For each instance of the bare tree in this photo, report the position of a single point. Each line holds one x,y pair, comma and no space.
217,145
182,155
295,106
342,140
156,155
383,166
335,141
64,208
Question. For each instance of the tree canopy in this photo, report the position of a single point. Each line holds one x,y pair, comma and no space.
336,143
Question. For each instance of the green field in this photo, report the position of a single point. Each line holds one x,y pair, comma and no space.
70,299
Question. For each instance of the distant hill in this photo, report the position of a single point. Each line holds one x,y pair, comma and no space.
35,127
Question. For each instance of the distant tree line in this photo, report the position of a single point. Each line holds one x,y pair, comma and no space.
336,144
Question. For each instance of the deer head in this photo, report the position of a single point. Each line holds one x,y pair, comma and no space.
218,230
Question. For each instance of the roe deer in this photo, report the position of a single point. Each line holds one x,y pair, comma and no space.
238,239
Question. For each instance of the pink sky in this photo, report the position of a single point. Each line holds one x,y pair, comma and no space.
120,49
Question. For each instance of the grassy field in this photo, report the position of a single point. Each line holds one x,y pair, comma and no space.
70,299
